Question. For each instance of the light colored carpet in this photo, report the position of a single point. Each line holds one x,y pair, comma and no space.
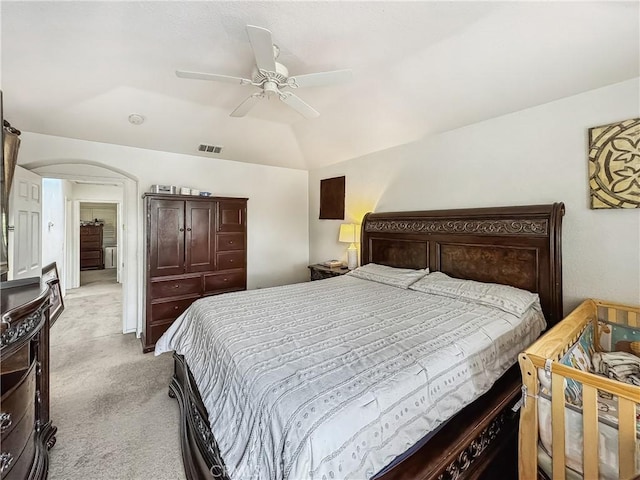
108,400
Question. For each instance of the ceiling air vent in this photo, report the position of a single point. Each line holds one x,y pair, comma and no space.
209,148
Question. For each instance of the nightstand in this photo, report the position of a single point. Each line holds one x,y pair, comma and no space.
319,272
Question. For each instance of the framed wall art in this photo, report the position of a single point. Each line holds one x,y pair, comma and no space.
332,198
614,165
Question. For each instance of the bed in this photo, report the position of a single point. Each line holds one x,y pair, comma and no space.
516,246
591,429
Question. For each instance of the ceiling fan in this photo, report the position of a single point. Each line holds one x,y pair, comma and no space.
272,77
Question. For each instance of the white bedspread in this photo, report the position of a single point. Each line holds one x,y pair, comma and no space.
336,378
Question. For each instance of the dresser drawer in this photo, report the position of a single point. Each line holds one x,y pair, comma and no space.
97,245
20,467
164,311
224,281
230,260
15,402
230,241
90,255
16,441
176,287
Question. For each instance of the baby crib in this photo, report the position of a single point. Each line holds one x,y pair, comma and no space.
589,439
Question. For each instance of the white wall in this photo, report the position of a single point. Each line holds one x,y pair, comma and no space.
278,197
534,156
54,192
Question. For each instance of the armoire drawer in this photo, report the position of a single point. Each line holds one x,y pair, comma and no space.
90,254
162,311
230,260
16,401
224,281
229,241
176,287
155,331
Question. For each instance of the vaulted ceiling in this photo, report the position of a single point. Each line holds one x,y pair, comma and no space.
79,69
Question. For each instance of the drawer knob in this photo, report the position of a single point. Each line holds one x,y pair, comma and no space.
5,421
231,260
177,285
175,308
6,459
230,242
225,279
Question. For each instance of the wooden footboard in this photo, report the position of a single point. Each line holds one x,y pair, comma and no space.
545,354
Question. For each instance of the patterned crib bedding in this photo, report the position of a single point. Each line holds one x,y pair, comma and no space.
336,378
579,356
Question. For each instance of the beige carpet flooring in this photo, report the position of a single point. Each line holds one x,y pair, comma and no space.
108,400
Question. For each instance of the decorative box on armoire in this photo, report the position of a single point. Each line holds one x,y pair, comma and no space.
26,432
196,246
91,256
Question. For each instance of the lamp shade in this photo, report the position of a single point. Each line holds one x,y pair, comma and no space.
349,233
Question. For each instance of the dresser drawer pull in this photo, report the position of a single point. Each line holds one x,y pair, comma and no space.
225,279
176,307
231,260
5,421
177,285
6,459
230,242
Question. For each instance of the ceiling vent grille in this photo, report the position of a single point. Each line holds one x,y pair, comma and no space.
209,148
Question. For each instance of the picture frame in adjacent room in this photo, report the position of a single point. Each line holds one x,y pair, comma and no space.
56,304
614,165
332,198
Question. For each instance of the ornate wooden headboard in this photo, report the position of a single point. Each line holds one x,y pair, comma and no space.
518,246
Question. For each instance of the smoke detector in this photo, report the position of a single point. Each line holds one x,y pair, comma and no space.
136,119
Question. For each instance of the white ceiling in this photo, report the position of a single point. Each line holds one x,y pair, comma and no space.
78,69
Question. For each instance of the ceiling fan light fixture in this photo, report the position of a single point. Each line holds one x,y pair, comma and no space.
271,76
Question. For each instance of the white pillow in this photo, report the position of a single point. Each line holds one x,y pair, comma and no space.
509,299
396,277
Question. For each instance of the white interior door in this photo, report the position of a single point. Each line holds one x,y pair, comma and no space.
25,225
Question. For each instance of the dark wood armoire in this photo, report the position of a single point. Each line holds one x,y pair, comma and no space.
196,246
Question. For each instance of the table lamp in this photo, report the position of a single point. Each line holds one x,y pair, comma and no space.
350,233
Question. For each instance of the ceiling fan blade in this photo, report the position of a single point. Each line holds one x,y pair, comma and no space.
212,76
299,105
262,45
247,105
320,78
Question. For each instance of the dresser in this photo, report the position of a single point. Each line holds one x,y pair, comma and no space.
26,433
91,253
196,246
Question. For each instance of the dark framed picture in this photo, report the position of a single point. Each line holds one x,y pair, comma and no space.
56,305
332,198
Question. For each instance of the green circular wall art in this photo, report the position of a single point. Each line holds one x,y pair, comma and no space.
614,165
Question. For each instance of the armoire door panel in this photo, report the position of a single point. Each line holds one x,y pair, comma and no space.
200,236
231,216
166,237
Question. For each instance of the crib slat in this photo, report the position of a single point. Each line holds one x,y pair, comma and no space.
632,318
626,437
590,428
557,423
612,315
